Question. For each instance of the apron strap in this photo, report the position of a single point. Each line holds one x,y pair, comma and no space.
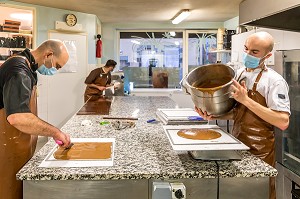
257,80
238,79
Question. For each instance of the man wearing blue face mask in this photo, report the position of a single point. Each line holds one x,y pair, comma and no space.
263,101
19,125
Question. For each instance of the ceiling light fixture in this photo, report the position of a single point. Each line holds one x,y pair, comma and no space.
181,16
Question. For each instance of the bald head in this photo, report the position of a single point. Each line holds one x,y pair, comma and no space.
263,39
56,46
51,50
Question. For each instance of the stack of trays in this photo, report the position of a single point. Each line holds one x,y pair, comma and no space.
179,116
11,26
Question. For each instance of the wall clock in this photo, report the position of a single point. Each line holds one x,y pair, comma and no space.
71,19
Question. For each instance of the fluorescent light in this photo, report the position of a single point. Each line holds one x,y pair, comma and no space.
184,14
135,42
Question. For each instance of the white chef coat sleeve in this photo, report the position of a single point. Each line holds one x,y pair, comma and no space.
278,97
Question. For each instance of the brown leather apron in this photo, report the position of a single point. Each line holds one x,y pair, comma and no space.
94,93
254,132
16,148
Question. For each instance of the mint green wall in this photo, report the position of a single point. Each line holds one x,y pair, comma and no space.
232,24
109,32
46,17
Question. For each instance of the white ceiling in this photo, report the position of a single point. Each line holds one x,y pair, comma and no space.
122,11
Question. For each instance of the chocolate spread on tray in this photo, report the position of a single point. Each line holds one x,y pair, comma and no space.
199,134
85,151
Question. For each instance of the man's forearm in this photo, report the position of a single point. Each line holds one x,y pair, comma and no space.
31,124
276,118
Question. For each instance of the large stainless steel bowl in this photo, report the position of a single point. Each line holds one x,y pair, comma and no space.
209,87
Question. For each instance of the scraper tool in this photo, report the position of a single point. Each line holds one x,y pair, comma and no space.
59,142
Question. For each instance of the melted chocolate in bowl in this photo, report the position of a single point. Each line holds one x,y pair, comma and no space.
212,83
199,134
84,151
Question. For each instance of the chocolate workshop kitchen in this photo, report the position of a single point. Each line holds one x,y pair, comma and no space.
149,99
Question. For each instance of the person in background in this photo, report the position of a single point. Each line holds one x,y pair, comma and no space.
98,80
262,101
19,125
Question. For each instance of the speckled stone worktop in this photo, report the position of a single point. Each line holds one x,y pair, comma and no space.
142,152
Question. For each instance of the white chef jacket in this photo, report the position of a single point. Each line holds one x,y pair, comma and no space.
272,86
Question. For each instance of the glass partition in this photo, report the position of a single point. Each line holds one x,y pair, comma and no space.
151,59
201,48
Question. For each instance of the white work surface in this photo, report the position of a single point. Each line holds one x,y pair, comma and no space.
50,161
178,114
225,142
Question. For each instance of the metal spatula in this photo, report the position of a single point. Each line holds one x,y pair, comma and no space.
59,142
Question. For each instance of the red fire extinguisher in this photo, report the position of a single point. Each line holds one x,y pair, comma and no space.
99,47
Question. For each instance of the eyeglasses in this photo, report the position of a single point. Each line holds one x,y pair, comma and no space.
58,66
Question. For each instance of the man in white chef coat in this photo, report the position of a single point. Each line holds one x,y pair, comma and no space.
262,101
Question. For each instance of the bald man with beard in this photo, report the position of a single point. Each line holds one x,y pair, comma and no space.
262,101
19,124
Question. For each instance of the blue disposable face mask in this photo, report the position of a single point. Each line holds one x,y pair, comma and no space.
43,70
250,61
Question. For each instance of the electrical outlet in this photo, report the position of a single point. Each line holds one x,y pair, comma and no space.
178,190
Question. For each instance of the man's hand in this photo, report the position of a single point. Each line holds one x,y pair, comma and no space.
64,138
204,114
101,88
239,91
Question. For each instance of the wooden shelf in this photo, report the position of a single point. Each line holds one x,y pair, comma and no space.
13,48
16,33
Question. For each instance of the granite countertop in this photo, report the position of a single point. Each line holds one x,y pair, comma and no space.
142,152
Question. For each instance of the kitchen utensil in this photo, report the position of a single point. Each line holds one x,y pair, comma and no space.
209,87
59,142
122,124
120,118
151,121
69,147
195,118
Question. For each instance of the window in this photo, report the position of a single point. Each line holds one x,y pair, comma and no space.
200,46
157,59
151,59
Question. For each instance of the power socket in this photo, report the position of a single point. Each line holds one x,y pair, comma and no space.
178,190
